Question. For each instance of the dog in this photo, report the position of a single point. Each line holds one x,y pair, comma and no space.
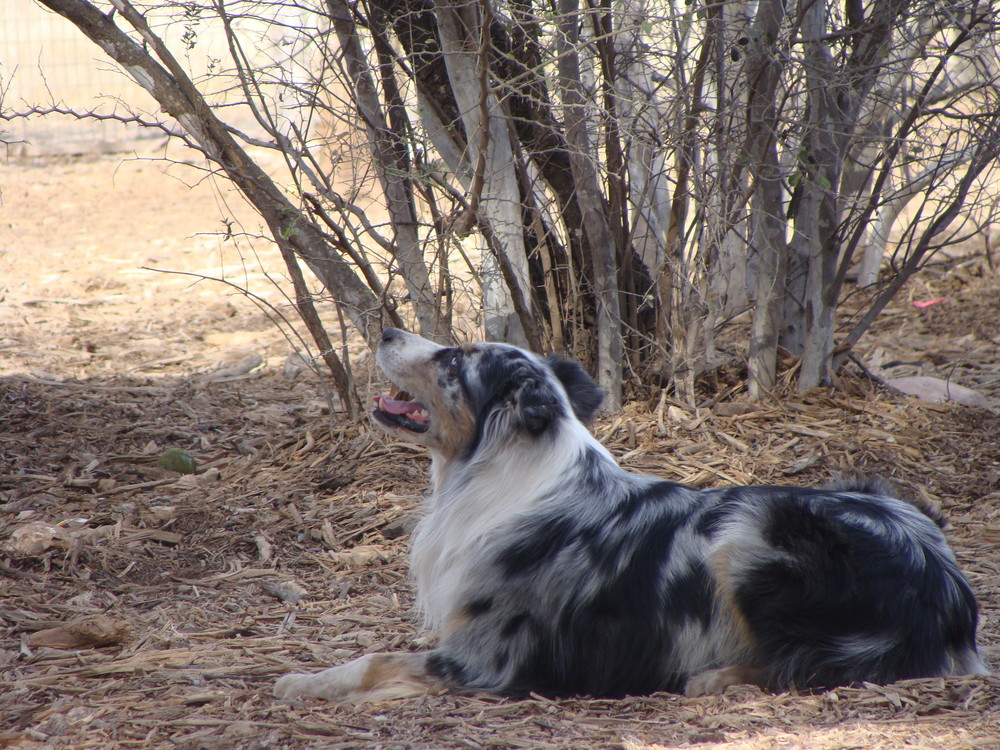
543,566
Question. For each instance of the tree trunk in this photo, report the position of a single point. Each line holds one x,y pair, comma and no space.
725,230
489,151
646,202
392,165
817,218
836,98
596,229
767,221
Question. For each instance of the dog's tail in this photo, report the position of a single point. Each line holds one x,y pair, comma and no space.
829,562
873,485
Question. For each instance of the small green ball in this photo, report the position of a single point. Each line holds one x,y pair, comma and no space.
176,459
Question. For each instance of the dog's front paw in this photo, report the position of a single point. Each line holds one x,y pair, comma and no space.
293,686
715,681
330,684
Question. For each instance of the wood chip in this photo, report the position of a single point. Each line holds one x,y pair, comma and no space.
286,591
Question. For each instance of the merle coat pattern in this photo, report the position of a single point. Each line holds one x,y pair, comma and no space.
541,565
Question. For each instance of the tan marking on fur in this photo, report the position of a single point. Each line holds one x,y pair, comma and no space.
453,424
715,681
455,621
720,567
391,676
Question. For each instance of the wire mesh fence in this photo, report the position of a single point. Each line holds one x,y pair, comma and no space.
47,64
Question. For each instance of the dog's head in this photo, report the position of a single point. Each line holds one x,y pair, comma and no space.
466,396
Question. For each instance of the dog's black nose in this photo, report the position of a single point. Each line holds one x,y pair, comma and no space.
390,334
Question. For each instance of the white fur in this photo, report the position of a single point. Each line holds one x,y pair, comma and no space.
330,684
468,503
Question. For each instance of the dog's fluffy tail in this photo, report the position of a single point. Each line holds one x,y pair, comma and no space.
872,485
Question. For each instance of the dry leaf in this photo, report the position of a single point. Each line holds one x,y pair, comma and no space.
937,391
677,415
359,557
88,631
807,461
241,368
34,538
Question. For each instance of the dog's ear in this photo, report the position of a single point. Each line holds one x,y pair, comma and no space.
584,394
536,405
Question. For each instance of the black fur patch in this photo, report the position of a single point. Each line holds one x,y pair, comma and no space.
507,379
478,607
538,546
449,669
536,406
842,585
514,624
584,394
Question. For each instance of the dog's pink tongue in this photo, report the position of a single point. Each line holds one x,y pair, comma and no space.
391,405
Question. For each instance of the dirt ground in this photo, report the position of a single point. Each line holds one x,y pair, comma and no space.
286,549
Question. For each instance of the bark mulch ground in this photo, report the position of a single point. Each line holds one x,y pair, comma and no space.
286,550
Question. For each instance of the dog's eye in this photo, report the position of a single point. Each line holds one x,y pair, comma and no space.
450,362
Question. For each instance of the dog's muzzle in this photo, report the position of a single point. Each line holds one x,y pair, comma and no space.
398,351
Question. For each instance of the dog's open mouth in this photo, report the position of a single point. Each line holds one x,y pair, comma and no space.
403,412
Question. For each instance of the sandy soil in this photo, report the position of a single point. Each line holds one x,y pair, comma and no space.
82,242
286,549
